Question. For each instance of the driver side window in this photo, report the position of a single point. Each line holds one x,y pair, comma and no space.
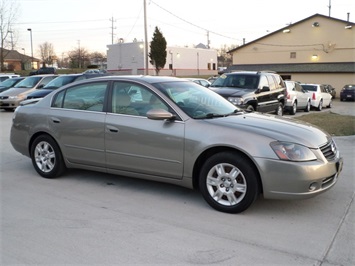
134,99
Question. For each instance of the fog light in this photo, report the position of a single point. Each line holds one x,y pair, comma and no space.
313,186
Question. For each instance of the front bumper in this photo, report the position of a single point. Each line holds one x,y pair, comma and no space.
297,180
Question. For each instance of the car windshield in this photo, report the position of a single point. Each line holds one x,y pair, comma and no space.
8,82
195,100
60,81
237,81
309,87
29,82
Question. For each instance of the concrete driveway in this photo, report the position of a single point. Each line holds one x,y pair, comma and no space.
87,218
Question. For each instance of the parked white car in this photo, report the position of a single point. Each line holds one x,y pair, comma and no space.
297,98
319,96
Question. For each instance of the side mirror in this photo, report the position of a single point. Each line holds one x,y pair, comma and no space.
160,114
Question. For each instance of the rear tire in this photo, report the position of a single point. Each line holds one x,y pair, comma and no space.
280,109
229,182
46,157
320,106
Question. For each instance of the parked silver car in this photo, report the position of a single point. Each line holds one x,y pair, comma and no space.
319,96
12,97
172,130
297,98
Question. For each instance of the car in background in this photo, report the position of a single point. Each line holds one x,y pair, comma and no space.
203,82
4,77
212,78
95,71
297,98
261,91
330,90
44,70
11,98
9,83
178,132
347,92
320,97
59,82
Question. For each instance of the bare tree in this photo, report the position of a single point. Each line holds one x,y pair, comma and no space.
47,53
8,14
98,58
79,58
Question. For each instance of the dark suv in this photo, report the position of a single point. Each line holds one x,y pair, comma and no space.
254,91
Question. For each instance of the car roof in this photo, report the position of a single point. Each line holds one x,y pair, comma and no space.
139,78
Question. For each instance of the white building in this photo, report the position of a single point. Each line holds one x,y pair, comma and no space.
129,59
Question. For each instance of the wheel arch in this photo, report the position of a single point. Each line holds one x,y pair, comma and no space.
214,150
41,133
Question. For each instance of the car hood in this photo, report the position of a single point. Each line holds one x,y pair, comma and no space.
231,91
14,91
40,93
277,128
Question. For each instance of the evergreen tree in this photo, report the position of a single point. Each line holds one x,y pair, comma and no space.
158,52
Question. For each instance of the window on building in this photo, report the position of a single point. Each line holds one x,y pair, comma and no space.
293,55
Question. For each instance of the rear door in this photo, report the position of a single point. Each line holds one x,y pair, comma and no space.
78,120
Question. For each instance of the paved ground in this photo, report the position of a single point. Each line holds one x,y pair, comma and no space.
86,218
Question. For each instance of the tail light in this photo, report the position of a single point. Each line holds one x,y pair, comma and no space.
314,97
288,95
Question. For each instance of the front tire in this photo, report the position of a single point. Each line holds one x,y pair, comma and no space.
46,157
308,107
228,182
293,108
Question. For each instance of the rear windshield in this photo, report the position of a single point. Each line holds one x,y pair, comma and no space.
238,81
309,87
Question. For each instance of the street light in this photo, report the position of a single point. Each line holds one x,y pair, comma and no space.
30,30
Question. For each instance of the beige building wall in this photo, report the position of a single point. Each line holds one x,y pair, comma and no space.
330,42
317,39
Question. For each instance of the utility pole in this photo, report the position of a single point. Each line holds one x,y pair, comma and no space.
112,28
79,55
208,40
145,38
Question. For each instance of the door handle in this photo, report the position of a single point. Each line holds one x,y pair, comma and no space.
112,129
55,120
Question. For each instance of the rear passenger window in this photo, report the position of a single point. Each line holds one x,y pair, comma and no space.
271,81
89,97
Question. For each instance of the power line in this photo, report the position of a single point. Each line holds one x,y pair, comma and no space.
192,24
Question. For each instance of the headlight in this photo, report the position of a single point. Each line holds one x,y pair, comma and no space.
292,152
236,100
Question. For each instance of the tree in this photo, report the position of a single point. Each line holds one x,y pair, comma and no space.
225,59
8,14
79,58
47,53
157,52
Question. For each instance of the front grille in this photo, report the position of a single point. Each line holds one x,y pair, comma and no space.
329,150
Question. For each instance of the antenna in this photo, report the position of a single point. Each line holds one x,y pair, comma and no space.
330,6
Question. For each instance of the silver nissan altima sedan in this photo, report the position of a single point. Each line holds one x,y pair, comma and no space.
176,131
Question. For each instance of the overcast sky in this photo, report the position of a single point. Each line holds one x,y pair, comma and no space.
68,24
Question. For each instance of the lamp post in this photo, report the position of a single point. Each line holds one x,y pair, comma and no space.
30,30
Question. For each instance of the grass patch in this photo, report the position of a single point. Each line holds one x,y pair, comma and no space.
334,124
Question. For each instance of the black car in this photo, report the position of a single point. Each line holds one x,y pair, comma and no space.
347,92
43,70
9,83
59,82
261,91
